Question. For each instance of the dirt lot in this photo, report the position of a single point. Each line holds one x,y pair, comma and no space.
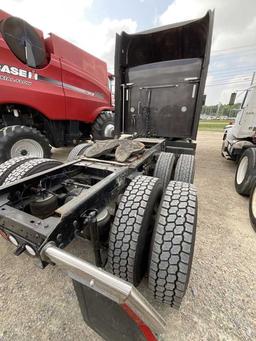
221,299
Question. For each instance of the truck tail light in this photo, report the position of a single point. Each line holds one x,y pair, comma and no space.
3,234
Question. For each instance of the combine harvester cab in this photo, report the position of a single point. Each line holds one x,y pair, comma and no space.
160,78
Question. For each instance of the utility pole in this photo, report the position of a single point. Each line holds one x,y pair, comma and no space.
218,109
253,77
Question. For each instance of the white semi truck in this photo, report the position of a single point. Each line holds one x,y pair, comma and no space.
239,144
242,134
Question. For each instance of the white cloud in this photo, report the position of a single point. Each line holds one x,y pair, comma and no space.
234,25
68,20
235,22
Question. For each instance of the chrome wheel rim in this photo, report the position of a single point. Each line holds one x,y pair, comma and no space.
253,203
27,147
242,169
109,130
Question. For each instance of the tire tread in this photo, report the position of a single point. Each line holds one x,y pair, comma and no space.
27,168
77,150
126,230
185,168
173,243
164,167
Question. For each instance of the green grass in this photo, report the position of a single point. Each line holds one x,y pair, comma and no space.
213,125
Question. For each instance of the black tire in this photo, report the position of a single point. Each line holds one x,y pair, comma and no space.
164,167
104,120
252,205
13,134
185,168
223,144
245,171
29,168
8,166
173,243
131,231
77,150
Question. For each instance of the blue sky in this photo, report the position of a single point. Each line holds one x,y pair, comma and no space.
92,25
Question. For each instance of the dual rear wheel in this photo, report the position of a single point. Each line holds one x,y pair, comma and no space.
172,167
154,232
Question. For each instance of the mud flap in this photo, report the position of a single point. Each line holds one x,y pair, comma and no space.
109,319
111,306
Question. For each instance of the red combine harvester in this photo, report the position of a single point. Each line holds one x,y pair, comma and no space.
51,92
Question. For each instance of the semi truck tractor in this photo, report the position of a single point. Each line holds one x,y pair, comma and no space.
239,142
52,94
242,134
132,197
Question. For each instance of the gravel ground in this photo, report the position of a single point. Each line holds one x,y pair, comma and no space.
220,303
